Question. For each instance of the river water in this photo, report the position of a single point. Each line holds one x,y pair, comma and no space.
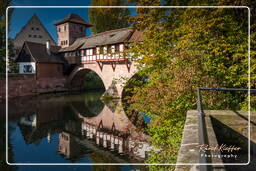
73,128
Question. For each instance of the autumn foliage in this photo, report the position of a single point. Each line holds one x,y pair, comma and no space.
184,49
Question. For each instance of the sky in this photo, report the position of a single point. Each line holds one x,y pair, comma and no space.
47,16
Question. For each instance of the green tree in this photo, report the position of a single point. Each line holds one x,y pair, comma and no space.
184,49
3,165
104,19
92,81
12,65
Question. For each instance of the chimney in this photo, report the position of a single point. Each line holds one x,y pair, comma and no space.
48,47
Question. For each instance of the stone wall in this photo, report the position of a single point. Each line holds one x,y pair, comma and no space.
49,70
69,32
222,127
26,84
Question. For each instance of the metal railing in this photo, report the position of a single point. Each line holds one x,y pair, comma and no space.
203,139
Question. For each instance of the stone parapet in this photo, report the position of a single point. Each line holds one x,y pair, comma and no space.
222,127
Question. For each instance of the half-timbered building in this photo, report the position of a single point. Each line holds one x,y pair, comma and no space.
108,46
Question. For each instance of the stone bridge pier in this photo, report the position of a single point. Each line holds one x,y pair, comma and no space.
113,75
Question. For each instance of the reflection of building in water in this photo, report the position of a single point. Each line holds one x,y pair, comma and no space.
108,136
69,147
119,142
48,118
34,133
29,120
114,131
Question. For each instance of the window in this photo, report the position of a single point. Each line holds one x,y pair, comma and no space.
64,28
34,36
94,51
101,50
32,28
59,29
37,28
29,35
66,42
27,68
109,49
82,52
81,29
116,48
40,36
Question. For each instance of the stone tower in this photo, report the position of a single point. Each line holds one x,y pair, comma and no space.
70,28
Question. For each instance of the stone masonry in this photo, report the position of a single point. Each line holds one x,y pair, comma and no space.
111,78
25,84
231,121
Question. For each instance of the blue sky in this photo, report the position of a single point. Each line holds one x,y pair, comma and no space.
48,16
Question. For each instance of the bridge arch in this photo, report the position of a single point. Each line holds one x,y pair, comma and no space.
77,80
111,78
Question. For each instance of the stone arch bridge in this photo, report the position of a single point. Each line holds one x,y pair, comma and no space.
113,75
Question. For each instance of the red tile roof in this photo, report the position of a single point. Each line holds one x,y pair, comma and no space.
74,18
105,38
37,52
137,36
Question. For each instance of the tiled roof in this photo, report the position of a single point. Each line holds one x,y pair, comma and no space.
137,36
104,38
38,52
77,44
74,18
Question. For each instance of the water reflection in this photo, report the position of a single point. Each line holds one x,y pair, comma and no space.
73,128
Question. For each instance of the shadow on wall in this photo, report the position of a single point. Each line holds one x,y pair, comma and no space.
230,137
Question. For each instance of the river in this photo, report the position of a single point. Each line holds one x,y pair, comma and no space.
73,128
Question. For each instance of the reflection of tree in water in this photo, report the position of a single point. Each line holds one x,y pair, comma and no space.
88,104
55,115
99,158
3,165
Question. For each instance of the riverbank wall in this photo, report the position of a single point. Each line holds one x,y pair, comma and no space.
223,128
28,84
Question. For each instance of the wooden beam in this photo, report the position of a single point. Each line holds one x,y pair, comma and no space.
127,65
113,64
100,65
